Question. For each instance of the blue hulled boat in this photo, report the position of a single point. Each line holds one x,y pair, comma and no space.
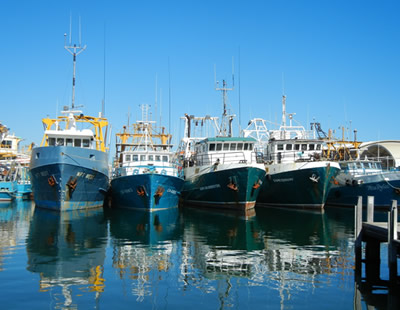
364,178
70,169
360,177
147,175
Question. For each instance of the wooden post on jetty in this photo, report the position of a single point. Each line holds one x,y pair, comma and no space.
392,241
358,236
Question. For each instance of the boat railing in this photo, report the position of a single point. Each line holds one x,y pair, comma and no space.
166,168
293,156
224,158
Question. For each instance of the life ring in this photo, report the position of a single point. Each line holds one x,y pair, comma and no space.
164,172
136,171
51,181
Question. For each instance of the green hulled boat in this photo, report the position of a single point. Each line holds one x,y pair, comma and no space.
221,171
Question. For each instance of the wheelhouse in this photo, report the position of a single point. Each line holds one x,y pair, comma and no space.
293,150
82,138
224,150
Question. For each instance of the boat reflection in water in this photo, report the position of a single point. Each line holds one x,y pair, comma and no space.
293,252
221,243
13,218
143,244
67,250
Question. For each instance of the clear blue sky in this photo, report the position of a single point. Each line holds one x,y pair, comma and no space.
338,61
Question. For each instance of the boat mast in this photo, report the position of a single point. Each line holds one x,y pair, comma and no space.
74,50
226,122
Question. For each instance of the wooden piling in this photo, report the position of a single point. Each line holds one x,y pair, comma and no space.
370,209
358,236
392,241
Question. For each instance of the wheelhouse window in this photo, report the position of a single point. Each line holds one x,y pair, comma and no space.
251,145
77,142
151,157
280,147
165,158
85,143
212,147
367,165
226,146
289,147
158,158
219,146
318,147
142,157
304,147
69,142
127,158
240,146
343,166
233,147
135,158
60,141
297,147
52,141
311,147
246,146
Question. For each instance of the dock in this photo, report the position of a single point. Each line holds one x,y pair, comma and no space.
371,234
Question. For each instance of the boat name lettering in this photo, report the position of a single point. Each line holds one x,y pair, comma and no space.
172,191
127,191
85,175
283,180
210,187
44,173
378,187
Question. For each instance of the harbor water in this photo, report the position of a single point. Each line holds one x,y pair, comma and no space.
182,258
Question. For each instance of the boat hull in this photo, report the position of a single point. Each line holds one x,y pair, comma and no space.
149,192
213,189
7,190
305,185
384,187
68,178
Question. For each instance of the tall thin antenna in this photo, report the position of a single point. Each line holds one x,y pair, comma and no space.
70,28
283,101
169,98
240,117
215,76
155,99
160,106
80,32
74,50
103,107
233,71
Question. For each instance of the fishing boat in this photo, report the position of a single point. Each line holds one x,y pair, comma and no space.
360,177
221,171
14,181
147,175
14,162
296,174
70,169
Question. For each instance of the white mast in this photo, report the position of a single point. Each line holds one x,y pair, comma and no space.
74,50
225,117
